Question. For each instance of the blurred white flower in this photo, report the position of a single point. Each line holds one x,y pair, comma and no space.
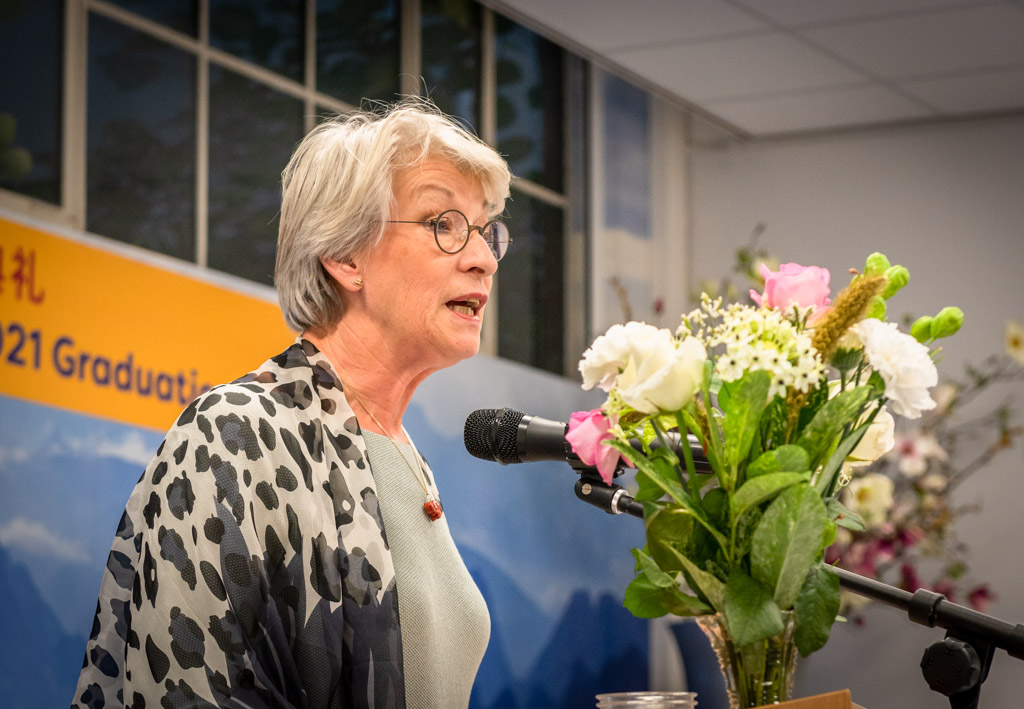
870,496
904,364
1015,340
944,395
915,450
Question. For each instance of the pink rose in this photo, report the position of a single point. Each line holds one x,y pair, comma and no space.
588,430
793,284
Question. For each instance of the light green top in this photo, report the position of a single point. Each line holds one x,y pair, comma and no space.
444,621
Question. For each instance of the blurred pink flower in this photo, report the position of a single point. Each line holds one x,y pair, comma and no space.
588,430
946,588
980,596
909,580
793,284
915,450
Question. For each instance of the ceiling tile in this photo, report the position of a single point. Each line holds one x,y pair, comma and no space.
972,93
818,110
607,24
737,67
805,12
930,43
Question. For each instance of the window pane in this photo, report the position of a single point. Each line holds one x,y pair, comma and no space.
265,32
30,98
357,49
253,130
530,278
180,15
141,140
451,57
627,146
529,88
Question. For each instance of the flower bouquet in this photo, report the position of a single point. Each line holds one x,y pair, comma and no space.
786,398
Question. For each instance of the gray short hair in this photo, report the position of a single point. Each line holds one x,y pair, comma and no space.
337,194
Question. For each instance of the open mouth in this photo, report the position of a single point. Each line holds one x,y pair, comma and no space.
465,307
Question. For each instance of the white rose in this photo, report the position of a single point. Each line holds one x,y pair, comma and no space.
611,353
879,439
870,496
904,364
663,380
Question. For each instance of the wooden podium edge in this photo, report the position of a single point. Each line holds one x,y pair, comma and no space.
832,700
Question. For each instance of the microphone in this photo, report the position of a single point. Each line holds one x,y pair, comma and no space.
508,436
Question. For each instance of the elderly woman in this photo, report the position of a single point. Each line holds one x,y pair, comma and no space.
264,556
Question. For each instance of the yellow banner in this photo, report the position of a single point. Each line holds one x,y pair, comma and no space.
93,331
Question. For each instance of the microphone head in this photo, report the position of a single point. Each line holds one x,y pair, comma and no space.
490,434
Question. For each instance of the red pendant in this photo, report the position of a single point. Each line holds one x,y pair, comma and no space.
433,510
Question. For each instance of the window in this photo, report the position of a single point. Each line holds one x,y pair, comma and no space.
141,140
190,110
30,98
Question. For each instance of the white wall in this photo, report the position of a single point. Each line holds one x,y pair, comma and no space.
947,201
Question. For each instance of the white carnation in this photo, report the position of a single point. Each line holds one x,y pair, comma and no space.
903,363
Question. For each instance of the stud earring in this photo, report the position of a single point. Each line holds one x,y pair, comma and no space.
358,283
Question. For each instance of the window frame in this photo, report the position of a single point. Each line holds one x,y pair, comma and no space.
71,212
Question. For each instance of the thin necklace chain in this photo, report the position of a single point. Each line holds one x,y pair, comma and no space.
432,507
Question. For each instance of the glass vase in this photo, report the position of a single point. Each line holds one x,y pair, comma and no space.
756,674
647,700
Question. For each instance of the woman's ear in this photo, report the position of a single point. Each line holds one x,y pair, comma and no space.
345,273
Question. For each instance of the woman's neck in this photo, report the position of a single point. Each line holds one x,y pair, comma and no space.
376,385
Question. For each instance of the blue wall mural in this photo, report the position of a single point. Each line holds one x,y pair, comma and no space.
552,568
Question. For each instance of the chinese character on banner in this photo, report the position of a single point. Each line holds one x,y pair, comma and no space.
24,276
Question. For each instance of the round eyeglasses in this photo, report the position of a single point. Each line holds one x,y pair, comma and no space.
452,231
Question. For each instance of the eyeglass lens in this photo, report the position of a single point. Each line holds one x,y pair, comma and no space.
452,232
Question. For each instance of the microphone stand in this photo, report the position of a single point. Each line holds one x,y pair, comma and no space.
956,666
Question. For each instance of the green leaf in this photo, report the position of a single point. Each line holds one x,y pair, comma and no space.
784,459
750,612
679,603
825,484
816,398
823,430
829,537
743,408
644,599
703,582
668,529
647,490
653,593
816,608
649,568
716,507
653,468
761,488
787,542
844,517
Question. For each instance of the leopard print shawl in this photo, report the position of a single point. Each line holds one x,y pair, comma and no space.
251,566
